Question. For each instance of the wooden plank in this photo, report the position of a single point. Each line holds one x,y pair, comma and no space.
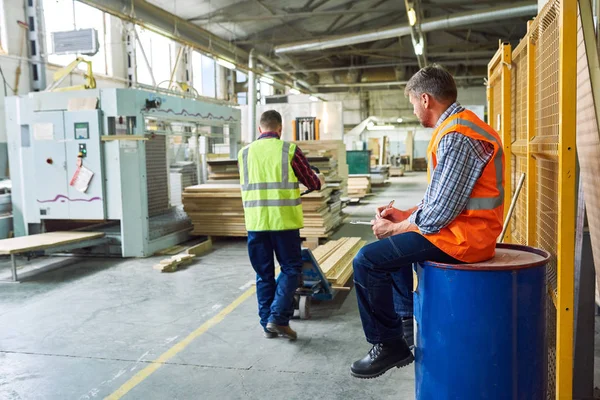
44,240
201,248
335,259
174,263
170,251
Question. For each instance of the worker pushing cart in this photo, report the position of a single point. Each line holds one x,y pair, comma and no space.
270,172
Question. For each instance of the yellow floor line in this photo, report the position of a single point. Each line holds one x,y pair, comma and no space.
167,355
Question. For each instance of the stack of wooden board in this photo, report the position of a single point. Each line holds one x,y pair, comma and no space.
216,210
223,169
359,186
321,215
336,150
335,258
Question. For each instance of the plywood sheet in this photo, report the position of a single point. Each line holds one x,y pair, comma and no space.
44,240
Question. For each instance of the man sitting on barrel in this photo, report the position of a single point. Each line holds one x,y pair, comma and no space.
458,220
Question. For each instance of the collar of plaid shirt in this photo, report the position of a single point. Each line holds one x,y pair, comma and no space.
453,109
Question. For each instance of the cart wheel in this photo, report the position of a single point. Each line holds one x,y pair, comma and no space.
304,307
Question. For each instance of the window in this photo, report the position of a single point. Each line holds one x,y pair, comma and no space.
65,15
197,71
3,42
208,77
265,90
204,74
160,53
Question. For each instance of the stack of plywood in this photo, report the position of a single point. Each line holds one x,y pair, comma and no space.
321,214
359,186
336,150
223,169
335,258
217,210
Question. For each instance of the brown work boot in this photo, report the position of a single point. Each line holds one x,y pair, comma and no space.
270,335
283,330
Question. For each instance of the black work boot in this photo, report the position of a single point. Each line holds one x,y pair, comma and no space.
382,357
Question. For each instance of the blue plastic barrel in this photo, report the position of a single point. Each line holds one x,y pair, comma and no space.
480,329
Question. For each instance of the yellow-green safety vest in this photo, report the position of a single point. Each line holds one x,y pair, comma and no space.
270,190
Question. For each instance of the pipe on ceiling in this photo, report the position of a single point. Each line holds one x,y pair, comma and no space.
251,96
387,83
515,10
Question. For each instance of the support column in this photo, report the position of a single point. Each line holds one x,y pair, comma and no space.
34,14
251,97
221,82
130,43
410,148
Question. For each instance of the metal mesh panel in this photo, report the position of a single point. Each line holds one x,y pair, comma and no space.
156,174
546,35
519,146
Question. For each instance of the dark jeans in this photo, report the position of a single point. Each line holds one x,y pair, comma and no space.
402,282
275,298
377,268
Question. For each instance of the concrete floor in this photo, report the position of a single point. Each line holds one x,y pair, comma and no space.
84,330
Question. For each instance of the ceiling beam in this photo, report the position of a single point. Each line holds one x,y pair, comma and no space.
202,20
445,22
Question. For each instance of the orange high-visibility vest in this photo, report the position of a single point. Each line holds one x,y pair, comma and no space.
472,236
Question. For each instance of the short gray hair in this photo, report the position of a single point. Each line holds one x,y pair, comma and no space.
270,120
434,80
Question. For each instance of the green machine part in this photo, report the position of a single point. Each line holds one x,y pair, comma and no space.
359,162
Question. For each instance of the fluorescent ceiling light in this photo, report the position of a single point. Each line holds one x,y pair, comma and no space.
412,16
225,63
418,47
313,98
266,79
294,91
380,127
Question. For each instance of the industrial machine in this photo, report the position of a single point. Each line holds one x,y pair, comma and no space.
97,160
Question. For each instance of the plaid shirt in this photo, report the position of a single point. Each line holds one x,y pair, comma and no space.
460,162
300,165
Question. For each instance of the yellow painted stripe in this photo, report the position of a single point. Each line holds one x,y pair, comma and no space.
167,355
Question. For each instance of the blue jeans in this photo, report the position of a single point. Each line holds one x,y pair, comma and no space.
402,282
380,266
275,298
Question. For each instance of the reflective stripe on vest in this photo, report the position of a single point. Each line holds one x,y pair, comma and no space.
484,203
285,176
272,203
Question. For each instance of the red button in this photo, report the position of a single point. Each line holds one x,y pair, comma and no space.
49,161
